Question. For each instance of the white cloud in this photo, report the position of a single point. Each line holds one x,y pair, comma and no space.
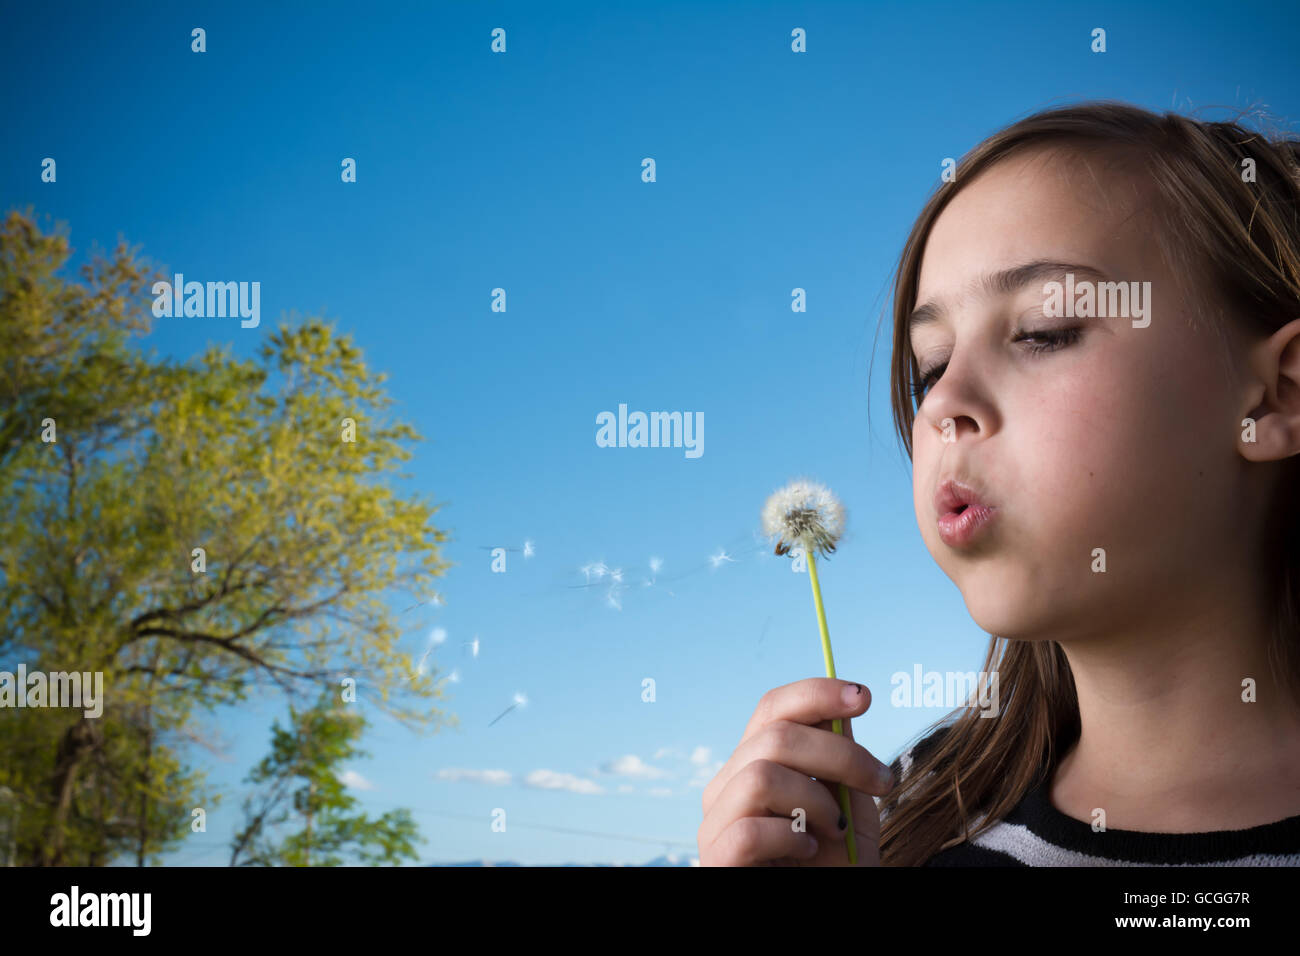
700,756
625,788
631,765
354,781
659,792
553,780
495,777
664,752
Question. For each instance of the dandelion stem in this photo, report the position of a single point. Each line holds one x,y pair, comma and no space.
837,725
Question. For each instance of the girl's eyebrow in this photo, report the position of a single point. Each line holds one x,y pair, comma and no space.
1006,282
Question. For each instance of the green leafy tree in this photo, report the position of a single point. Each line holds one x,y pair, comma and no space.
133,795
301,788
64,345
304,544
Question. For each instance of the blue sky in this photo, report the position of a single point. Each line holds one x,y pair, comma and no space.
522,170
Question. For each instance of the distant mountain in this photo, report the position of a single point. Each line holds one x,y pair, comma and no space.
669,860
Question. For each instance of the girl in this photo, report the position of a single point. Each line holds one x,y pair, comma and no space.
1096,374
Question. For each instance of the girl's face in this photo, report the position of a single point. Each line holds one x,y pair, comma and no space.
1114,439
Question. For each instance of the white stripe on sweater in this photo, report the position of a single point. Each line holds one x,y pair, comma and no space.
1018,841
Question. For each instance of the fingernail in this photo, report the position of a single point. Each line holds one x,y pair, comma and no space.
843,821
852,695
812,842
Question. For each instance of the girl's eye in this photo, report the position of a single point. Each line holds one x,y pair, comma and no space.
926,380
1053,339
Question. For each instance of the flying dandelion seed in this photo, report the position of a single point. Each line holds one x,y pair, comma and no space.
618,580
655,565
454,676
599,570
416,668
520,701
616,587
436,601
527,550
436,637
473,645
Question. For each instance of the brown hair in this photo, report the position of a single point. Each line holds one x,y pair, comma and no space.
1244,239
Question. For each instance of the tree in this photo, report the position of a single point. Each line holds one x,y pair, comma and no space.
128,797
303,542
63,346
310,751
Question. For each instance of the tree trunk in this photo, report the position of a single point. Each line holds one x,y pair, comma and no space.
311,792
144,792
77,744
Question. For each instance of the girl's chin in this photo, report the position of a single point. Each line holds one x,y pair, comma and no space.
1006,619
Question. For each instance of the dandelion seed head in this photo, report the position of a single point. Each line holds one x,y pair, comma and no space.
521,700
528,549
655,565
804,513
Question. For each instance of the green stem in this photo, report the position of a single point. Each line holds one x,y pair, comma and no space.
837,725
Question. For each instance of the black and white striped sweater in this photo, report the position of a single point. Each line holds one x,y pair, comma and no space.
1035,833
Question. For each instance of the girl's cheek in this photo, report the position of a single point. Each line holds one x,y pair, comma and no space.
1072,439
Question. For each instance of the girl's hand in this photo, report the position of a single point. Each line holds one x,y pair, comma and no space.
749,806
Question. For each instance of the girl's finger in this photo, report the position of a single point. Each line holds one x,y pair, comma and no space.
764,788
761,841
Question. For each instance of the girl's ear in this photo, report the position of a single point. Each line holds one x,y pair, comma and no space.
1271,430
